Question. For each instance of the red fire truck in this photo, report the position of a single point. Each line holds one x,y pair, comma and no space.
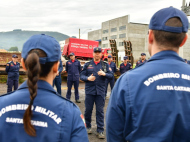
82,48
105,53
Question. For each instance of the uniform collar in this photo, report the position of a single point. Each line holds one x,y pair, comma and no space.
96,62
41,85
165,55
71,60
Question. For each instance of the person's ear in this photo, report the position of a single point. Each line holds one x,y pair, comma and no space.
184,40
150,37
55,67
23,64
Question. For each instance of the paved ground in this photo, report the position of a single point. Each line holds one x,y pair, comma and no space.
92,137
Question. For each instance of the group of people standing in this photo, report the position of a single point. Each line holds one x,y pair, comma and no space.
143,107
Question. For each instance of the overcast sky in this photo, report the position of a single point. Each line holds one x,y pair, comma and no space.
68,16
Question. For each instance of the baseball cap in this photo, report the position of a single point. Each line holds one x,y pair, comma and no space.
159,19
109,56
97,49
125,57
14,56
71,54
142,54
46,43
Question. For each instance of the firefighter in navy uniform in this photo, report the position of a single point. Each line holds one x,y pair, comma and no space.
151,103
112,68
73,69
142,61
125,66
12,69
57,81
36,112
94,74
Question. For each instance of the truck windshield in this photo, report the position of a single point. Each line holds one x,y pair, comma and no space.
109,51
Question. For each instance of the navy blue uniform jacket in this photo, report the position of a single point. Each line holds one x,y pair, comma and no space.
55,119
60,69
153,106
73,70
113,67
140,63
96,87
124,68
13,70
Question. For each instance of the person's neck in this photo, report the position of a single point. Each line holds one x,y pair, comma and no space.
125,63
157,48
109,61
96,60
49,79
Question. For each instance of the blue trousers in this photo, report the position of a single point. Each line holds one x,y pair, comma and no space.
99,101
69,87
111,81
57,82
10,83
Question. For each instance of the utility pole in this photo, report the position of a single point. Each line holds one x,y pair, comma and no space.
185,7
79,33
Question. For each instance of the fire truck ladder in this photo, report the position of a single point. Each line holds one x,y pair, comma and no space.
114,51
128,51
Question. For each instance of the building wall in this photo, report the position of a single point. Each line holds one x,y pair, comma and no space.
185,50
135,32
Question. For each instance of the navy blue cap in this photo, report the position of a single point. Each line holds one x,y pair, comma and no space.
142,54
125,57
159,19
71,54
14,56
46,43
109,56
97,49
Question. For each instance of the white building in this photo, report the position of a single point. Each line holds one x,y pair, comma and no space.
122,29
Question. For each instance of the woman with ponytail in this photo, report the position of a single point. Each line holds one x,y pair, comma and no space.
35,112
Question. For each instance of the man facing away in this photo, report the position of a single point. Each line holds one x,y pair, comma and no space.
154,106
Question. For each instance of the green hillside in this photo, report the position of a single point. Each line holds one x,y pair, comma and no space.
18,37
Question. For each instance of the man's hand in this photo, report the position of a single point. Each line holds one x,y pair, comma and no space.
101,73
91,78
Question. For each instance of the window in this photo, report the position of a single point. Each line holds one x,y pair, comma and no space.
121,43
114,29
109,51
122,35
105,45
113,36
105,31
121,28
105,38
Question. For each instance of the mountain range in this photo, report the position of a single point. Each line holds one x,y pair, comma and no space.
18,37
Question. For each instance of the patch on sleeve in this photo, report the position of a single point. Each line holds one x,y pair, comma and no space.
82,117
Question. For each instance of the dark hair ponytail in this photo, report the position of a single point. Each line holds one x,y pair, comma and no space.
33,70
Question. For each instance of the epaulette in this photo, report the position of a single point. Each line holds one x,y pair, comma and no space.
65,99
7,93
88,63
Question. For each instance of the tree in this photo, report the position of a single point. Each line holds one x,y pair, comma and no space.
13,48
